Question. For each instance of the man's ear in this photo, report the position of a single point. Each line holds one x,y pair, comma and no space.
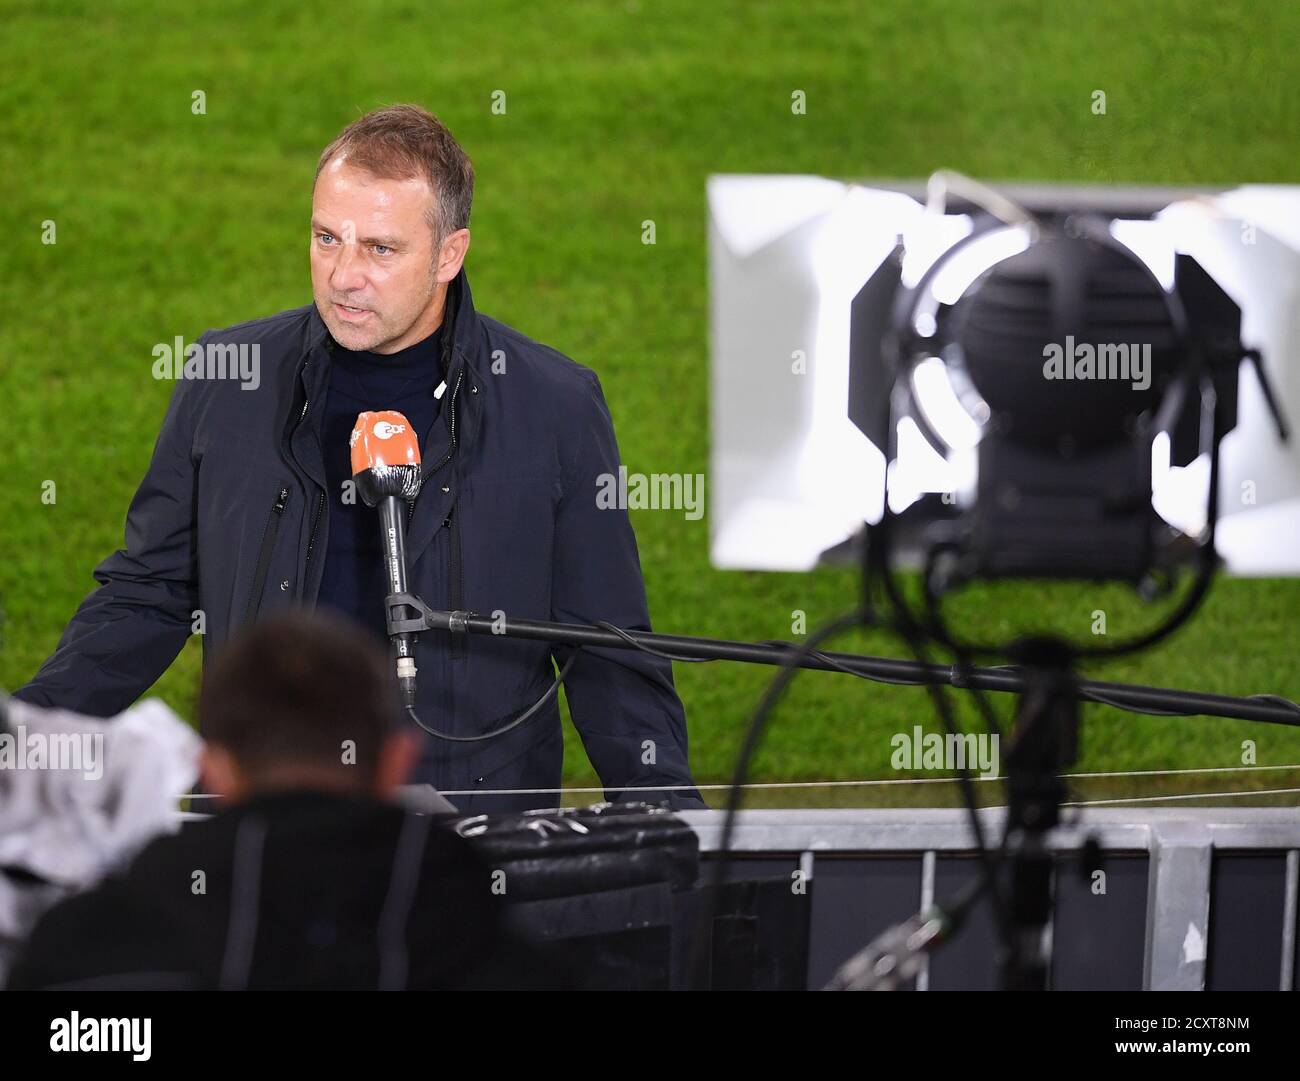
397,757
451,256
221,774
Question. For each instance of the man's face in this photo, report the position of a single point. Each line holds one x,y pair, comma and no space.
375,272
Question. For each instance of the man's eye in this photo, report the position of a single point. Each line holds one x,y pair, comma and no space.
382,249
325,238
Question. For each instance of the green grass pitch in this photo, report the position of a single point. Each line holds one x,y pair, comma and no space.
170,222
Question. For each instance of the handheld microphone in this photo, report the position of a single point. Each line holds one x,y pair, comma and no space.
386,468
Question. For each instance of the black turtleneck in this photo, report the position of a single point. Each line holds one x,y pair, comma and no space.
353,579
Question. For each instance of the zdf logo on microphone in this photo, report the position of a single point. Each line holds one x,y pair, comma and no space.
384,430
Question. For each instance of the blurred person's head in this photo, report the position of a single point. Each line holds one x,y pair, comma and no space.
389,228
302,701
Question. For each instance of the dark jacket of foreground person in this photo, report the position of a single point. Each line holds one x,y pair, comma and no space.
233,516
291,890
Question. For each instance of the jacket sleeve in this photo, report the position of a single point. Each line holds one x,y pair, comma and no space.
126,632
623,701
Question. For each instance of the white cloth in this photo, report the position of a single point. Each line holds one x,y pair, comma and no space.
79,796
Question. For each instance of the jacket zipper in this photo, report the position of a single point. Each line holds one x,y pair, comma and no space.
311,540
264,555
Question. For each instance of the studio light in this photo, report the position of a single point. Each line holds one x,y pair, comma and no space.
1051,351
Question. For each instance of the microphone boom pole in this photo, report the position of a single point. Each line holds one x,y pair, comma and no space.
1138,698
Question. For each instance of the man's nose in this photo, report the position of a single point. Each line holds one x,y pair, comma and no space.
348,274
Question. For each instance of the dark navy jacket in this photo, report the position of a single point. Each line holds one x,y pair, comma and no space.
233,515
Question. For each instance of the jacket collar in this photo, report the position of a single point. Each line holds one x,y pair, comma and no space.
461,349
462,345
453,432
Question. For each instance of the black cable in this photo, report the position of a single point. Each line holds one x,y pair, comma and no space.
551,691
827,659
1277,700
913,636
649,649
1097,696
1093,696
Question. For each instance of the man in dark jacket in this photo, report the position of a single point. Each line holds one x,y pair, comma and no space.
248,506
308,878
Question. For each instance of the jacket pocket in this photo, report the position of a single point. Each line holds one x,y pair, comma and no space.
269,534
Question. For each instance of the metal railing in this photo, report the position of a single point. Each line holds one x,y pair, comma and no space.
1180,845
